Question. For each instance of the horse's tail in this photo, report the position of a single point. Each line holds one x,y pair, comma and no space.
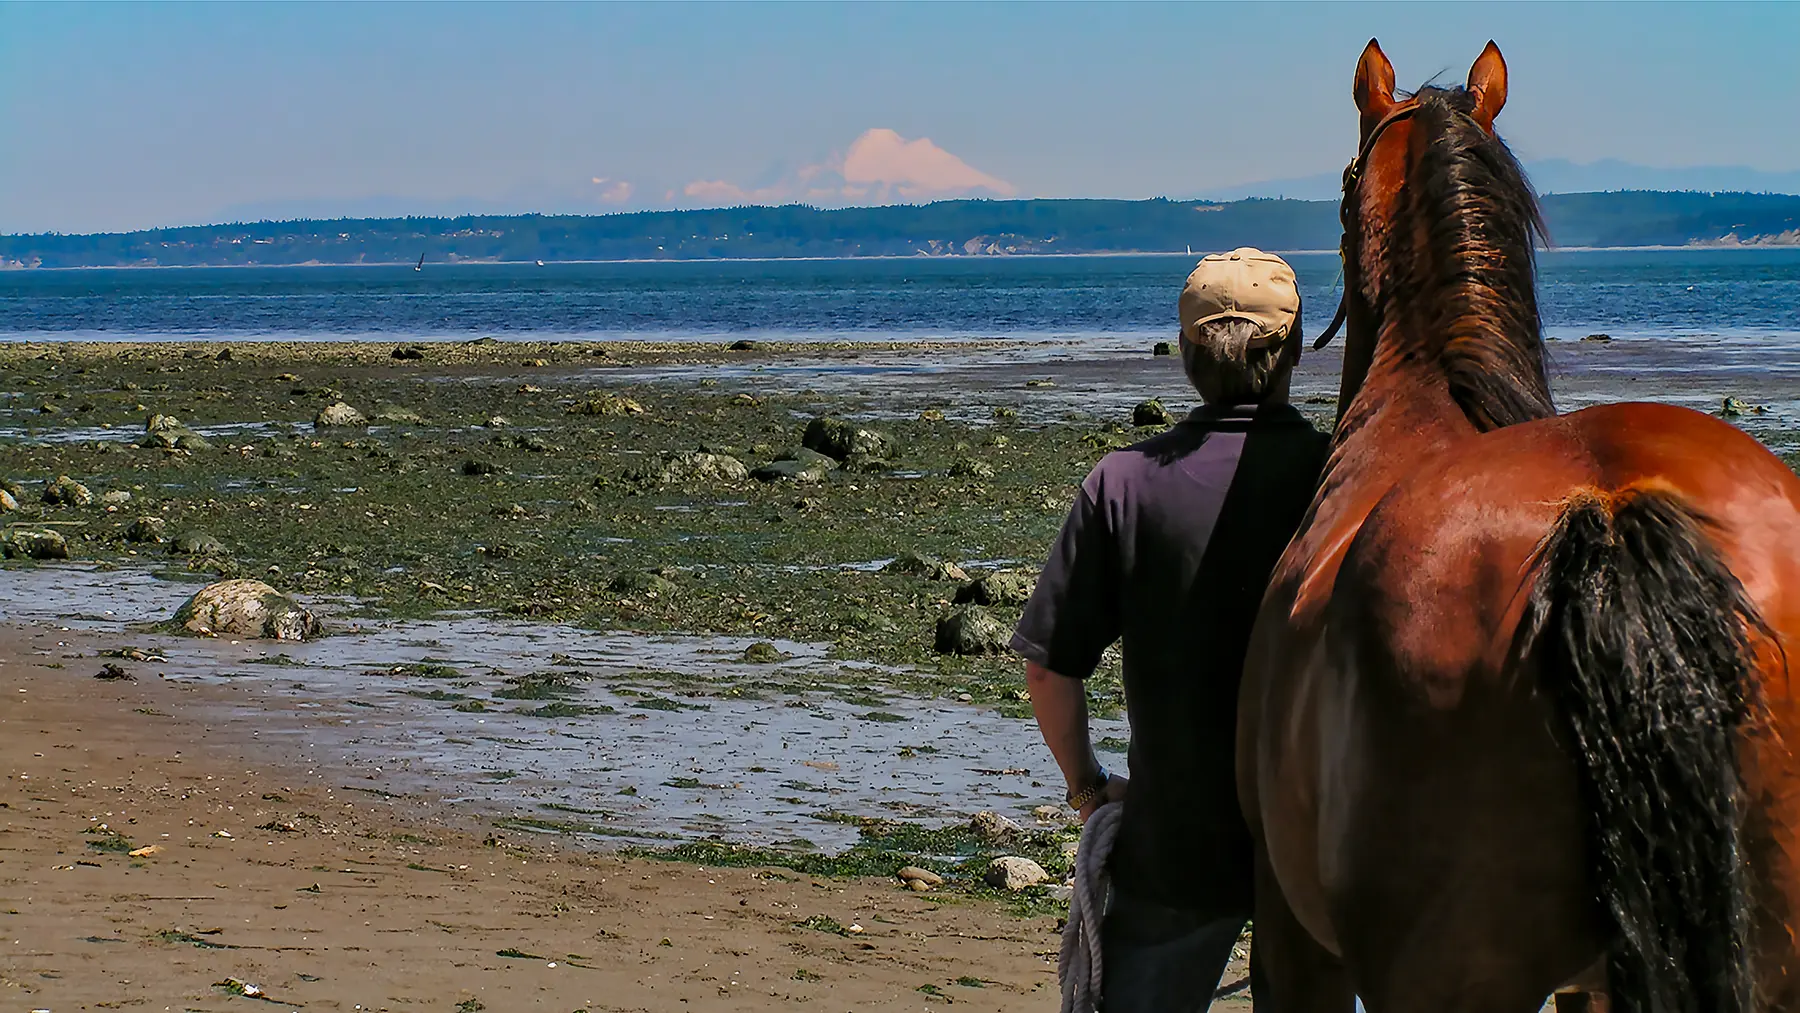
1644,638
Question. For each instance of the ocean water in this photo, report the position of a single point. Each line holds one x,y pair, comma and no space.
1749,294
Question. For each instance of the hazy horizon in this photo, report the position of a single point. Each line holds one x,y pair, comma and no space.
133,116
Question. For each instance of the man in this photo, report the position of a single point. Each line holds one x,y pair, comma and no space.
1169,548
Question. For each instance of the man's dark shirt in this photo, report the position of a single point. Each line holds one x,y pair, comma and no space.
1170,546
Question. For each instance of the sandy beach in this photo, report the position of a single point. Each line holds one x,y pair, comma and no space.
325,897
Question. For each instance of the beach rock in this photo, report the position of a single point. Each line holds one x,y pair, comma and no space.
12,488
763,653
806,455
339,415
803,472
1004,412
8,503
932,415
1162,348
165,432
407,352
919,879
28,543
993,828
671,467
862,464
65,491
970,467
641,582
115,498
394,413
1004,587
497,422
148,528
1598,337
246,608
1010,872
746,345
917,564
969,629
479,468
1151,413
196,543
607,404
838,439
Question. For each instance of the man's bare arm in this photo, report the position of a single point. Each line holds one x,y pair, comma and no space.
1060,704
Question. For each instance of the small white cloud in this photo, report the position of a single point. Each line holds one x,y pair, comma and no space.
613,191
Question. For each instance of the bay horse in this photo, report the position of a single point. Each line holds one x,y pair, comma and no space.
1515,710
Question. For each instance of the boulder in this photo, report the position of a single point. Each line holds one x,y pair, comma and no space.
1730,408
1151,413
993,828
919,879
7,502
148,528
1162,348
746,345
196,543
970,467
1005,587
339,415
408,352
65,491
838,439
29,543
672,467
969,629
115,498
246,608
1598,337
917,564
1010,872
764,653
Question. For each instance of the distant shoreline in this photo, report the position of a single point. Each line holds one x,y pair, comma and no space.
965,258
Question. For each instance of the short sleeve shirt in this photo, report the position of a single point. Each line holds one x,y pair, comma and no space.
1168,549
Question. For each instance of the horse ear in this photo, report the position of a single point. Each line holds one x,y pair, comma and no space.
1374,89
1487,79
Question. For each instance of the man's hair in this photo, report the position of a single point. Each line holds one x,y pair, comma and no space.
1224,368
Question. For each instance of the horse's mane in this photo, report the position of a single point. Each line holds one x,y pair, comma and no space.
1461,264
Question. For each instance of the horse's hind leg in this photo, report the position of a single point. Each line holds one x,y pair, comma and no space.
1289,971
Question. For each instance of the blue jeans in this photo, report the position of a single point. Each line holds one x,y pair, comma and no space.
1158,959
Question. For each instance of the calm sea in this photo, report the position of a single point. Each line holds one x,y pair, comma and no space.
1749,294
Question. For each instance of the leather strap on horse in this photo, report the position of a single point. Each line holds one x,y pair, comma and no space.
1352,176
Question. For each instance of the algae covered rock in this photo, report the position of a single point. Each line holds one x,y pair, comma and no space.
970,467
246,608
641,582
838,439
607,404
1005,587
970,629
339,416
196,543
33,543
165,432
397,414
65,491
918,564
148,528
673,467
802,472
1151,413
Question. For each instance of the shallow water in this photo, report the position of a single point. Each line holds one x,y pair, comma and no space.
743,770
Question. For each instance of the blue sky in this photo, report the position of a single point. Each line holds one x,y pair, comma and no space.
126,116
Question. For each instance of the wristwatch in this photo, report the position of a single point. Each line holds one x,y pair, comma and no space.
1078,800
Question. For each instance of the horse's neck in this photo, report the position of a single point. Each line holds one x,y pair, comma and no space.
1402,414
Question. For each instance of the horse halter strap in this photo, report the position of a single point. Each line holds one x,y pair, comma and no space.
1353,176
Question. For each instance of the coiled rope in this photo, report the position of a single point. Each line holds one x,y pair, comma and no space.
1079,967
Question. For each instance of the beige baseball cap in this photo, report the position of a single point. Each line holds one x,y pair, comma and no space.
1244,283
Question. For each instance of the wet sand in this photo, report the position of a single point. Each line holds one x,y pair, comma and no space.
335,898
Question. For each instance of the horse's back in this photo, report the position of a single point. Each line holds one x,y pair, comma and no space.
1425,626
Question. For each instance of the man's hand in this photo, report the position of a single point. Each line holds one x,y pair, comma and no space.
1115,792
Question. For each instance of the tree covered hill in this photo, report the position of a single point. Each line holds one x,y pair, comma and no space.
945,228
